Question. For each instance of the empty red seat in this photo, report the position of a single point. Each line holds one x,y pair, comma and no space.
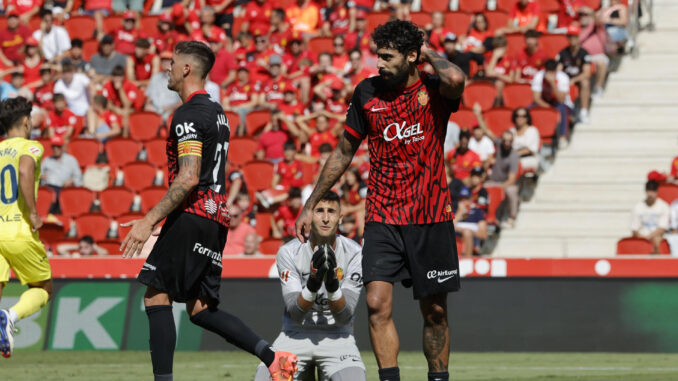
75,201
233,121
553,44
498,120
515,42
149,24
112,246
150,197
47,145
156,151
457,22
668,192
256,120
481,92
472,6
319,45
420,18
464,118
51,233
89,48
496,19
121,151
517,95
496,196
505,5
632,245
85,150
112,23
309,170
115,201
95,225
46,196
242,150
138,175
263,227
144,125
549,6
81,27
435,5
546,121
258,174
270,246
374,19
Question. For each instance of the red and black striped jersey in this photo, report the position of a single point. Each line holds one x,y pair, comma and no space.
199,127
405,130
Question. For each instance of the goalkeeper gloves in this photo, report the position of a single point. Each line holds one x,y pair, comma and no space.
331,279
318,270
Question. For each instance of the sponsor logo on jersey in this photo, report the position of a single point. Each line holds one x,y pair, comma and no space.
351,357
422,98
441,275
406,134
8,218
448,208
184,128
215,256
210,206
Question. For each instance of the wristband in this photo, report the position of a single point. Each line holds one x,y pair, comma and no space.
308,295
334,296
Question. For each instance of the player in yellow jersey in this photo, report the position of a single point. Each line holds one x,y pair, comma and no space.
20,248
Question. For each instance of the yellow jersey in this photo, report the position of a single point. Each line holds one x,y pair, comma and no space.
14,222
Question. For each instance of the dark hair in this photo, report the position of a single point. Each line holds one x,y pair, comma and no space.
464,134
355,51
67,66
17,74
289,145
514,114
87,239
330,196
118,71
532,34
44,12
100,100
12,111
325,147
651,185
280,12
76,43
499,42
294,192
473,23
403,36
199,51
550,65
58,97
142,43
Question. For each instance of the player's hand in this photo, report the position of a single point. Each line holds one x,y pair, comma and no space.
426,53
36,221
318,270
331,277
135,239
303,224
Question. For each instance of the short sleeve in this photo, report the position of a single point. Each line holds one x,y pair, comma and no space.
353,277
433,86
290,279
34,150
356,122
188,133
563,82
537,82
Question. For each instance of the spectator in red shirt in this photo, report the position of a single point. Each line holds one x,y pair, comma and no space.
102,124
237,232
143,64
462,159
43,96
289,172
530,60
360,38
12,39
124,96
322,133
126,36
272,87
353,194
256,19
569,12
338,19
208,32
271,143
26,9
525,15
166,36
32,63
357,71
280,33
240,97
259,59
323,74
437,31
284,218
340,55
61,122
479,32
223,71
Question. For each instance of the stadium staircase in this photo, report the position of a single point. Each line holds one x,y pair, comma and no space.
582,204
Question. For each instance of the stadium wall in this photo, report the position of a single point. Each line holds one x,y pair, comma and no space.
512,314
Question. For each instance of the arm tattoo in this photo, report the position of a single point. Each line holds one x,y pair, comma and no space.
183,185
450,86
333,169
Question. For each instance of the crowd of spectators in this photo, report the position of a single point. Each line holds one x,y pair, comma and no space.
265,63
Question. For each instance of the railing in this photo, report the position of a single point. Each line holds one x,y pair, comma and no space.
638,8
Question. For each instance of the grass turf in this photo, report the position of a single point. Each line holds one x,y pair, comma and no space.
238,366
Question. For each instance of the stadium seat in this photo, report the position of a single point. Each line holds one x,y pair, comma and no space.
498,120
256,120
505,5
127,217
258,175
517,95
496,19
47,145
112,23
460,246
81,27
496,196
593,4
78,126
319,45
75,201
51,233
156,151
138,175
664,247
515,43
237,25
115,201
481,92
241,150
263,227
150,197
96,225
34,23
46,196
457,22
309,171
85,150
464,118
668,192
112,246
374,19
435,5
270,246
421,18
233,120
549,6
631,245
144,125
472,6
149,24
546,121
553,44
121,151
89,48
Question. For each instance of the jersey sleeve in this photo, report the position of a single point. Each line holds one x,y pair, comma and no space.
356,122
188,133
290,279
34,150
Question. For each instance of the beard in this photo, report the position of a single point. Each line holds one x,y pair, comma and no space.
394,79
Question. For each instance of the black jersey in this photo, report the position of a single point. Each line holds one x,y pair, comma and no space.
199,127
573,65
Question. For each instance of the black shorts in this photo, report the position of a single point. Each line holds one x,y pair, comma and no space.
424,256
186,260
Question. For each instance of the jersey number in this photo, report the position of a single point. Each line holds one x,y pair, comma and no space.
12,183
217,166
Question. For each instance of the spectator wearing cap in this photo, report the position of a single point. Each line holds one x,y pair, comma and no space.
237,232
436,30
61,170
500,67
240,97
470,222
304,16
280,32
524,15
54,40
576,63
478,37
462,159
31,64
102,123
12,39
551,88
528,61
76,87
75,57
461,59
357,71
360,37
338,19
650,217
143,64
125,37
103,62
61,121
24,9
256,19
504,174
223,71
160,99
272,87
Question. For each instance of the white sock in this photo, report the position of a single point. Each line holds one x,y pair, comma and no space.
13,316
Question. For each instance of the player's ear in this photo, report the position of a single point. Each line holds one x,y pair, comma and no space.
412,56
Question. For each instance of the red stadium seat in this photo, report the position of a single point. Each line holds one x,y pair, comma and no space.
505,5
549,6
515,43
464,118
496,19
127,217
435,5
89,48
517,95
81,27
149,24
256,120
631,245
546,121
241,150
498,120
156,151
138,175
75,201
233,120
112,23
47,145
457,22
553,44
664,247
496,196
78,126
421,18
46,196
668,192
112,246
319,45
237,25
144,125
115,201
51,233
481,92
85,150
374,19
150,197
96,225
258,174
309,171
593,4
34,23
472,6
263,227
270,246
121,151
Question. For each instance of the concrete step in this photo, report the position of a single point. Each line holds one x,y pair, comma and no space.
555,248
657,57
637,142
658,41
587,205
628,169
586,194
536,220
654,91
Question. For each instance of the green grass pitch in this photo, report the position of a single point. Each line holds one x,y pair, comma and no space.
239,366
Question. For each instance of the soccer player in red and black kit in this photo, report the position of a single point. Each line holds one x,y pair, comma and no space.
185,263
409,236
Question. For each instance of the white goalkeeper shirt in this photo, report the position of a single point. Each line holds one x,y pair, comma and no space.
294,262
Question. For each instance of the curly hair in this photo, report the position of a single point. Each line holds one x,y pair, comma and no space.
12,111
403,36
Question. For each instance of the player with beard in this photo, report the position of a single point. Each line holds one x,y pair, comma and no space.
409,235
185,263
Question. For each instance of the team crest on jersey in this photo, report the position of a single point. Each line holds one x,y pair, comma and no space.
340,273
422,97
448,208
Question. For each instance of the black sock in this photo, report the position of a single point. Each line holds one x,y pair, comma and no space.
163,338
438,376
236,332
389,374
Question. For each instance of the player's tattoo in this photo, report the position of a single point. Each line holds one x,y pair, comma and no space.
452,77
333,169
183,185
436,346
